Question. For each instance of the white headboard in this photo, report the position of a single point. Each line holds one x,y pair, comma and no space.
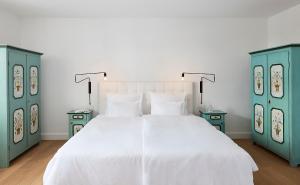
145,88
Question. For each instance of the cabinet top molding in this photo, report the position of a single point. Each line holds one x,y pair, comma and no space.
21,49
274,48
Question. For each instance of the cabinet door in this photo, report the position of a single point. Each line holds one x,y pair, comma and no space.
259,91
33,98
17,101
278,77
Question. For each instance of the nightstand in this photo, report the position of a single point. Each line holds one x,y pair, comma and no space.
216,118
77,120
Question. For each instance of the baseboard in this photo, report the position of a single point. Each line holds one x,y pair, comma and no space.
239,135
54,136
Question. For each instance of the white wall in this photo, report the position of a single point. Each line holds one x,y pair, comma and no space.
149,49
9,28
284,28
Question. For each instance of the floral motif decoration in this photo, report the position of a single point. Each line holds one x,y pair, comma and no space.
258,77
259,119
18,81
77,128
277,80
277,125
33,80
34,115
18,125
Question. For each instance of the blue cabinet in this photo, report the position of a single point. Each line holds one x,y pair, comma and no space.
275,100
19,102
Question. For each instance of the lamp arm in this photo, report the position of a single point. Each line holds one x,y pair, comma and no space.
89,81
214,80
202,77
87,78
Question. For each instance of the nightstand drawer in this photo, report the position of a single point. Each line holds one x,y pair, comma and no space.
78,117
215,117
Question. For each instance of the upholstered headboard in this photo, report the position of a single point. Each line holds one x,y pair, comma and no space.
145,88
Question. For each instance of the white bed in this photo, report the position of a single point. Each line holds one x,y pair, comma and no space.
108,151
185,150
150,150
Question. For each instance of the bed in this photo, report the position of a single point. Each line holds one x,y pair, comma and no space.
108,151
150,149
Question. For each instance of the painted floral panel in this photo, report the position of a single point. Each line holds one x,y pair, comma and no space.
259,118
33,80
18,125
77,128
259,80
277,81
34,119
18,75
277,125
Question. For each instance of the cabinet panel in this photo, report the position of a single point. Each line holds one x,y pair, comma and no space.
278,66
33,98
17,99
259,76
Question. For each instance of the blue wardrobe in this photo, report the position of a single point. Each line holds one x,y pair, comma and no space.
275,92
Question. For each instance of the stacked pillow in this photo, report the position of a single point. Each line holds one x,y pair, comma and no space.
168,104
124,105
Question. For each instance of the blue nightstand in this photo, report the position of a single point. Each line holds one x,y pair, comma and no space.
77,120
216,118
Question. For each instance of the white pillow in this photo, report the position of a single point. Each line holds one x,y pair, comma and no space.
124,105
123,109
166,100
167,108
123,97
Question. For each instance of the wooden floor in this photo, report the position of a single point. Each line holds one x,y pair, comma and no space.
28,169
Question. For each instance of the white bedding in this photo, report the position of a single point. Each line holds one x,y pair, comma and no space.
186,150
150,150
108,151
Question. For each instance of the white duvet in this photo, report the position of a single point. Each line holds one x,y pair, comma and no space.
150,150
107,151
187,150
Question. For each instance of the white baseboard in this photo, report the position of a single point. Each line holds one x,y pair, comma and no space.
239,135
54,136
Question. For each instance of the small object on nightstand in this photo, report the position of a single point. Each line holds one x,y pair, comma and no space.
216,118
78,119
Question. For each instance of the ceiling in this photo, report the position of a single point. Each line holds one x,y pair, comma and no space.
147,8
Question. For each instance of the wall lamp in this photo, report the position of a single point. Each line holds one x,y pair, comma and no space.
204,76
86,76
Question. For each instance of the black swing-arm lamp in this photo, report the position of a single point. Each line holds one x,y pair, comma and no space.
89,81
203,77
